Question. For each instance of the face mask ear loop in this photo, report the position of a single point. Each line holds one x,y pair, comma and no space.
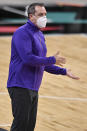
26,10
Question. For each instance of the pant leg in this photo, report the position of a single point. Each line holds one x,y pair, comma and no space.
33,112
21,107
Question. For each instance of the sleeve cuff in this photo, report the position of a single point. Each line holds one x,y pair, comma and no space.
52,60
63,71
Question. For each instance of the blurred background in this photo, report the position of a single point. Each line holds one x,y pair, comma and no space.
64,16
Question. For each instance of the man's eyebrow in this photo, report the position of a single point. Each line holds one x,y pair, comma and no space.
42,13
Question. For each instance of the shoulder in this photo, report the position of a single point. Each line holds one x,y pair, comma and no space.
22,33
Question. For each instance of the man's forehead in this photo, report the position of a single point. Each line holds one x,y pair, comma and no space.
40,9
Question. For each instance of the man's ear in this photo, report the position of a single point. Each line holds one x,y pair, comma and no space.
30,16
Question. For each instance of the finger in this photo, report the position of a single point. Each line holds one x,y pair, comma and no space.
57,53
69,70
63,60
60,64
76,78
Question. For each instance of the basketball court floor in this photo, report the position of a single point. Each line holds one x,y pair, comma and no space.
62,101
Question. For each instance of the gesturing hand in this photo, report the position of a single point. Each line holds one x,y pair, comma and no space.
69,74
59,59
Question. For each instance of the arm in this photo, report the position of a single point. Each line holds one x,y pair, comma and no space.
58,70
23,46
55,70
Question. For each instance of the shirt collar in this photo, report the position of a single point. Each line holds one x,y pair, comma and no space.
33,25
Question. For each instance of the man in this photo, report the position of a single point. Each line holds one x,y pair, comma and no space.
28,62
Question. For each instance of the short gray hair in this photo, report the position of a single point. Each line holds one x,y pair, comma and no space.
31,8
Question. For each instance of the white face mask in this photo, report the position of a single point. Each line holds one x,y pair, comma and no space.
41,22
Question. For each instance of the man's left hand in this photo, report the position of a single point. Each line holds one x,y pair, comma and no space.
69,74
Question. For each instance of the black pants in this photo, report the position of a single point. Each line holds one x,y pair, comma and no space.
24,108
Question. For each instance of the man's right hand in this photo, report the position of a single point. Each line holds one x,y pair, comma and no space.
59,59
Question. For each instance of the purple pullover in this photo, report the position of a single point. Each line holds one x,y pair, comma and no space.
28,58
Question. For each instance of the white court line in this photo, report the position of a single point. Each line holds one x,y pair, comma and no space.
56,34
48,97
3,93
65,98
56,98
84,35
5,125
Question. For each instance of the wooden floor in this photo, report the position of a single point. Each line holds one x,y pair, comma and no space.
63,101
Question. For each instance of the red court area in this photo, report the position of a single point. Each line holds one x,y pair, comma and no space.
11,29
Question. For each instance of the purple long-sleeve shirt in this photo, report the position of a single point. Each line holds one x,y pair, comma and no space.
28,58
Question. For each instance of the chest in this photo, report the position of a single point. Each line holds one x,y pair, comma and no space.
39,45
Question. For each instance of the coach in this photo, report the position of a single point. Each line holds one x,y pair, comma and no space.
27,64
